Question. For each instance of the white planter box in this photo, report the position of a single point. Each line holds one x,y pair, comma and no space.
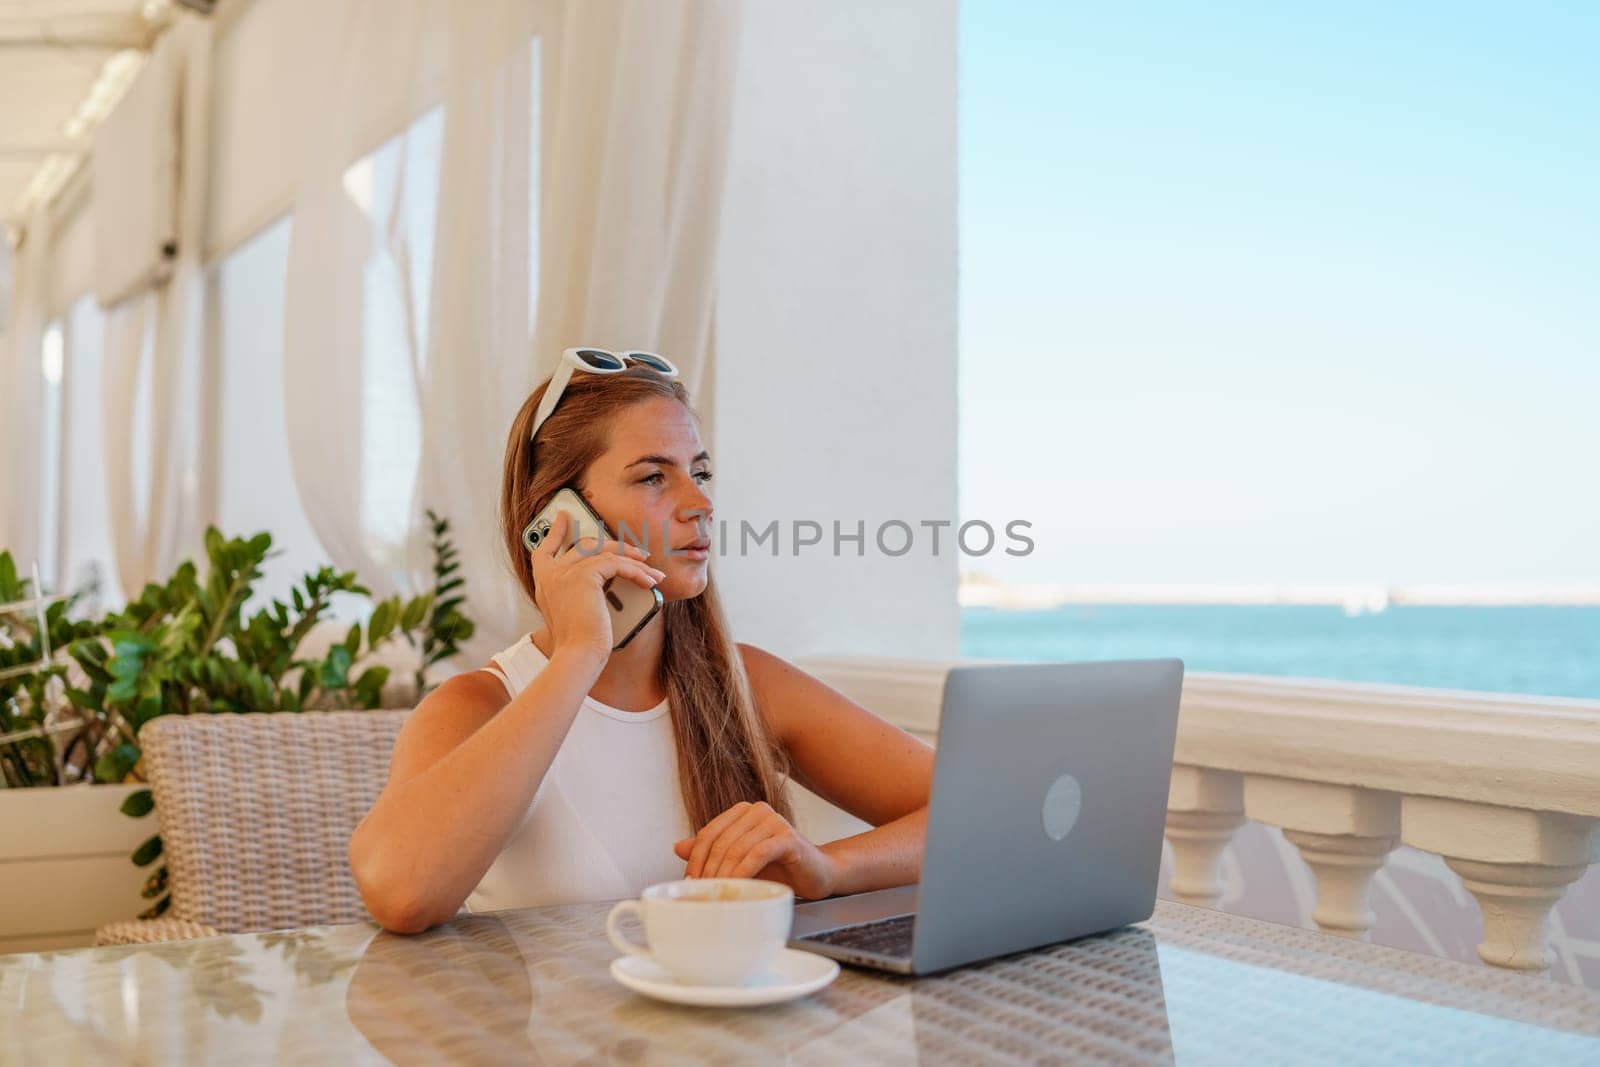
64,866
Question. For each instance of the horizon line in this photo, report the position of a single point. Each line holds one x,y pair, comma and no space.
1353,597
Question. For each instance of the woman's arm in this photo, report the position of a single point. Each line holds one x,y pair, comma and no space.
465,768
849,757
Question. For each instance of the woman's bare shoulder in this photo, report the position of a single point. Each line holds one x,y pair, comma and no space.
444,718
484,684
470,698
775,683
759,662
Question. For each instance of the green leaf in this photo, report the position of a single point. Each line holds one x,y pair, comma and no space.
369,687
260,693
91,656
86,701
156,884
160,908
139,804
336,668
352,640
114,766
123,689
415,611
382,622
146,853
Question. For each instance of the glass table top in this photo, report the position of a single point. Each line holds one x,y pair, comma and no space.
1190,985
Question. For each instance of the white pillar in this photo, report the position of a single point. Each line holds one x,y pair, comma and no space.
834,383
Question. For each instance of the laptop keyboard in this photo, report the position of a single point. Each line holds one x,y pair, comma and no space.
886,937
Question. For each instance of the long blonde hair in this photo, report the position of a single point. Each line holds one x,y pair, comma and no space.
726,754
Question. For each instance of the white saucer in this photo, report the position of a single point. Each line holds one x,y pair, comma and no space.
795,974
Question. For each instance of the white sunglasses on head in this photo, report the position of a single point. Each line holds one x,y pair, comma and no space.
594,361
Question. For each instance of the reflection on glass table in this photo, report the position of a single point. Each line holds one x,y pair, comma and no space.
1190,985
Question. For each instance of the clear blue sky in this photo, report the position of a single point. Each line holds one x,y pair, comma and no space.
1282,291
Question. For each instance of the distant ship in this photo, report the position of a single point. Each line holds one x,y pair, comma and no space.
1372,601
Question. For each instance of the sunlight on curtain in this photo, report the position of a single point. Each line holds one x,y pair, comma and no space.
479,368
395,189
353,315
22,392
140,452
52,363
637,115
360,305
399,380
155,337
124,430
86,553
257,491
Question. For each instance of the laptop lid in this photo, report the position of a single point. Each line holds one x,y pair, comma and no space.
1049,801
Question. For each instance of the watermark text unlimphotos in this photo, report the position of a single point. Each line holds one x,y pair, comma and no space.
890,537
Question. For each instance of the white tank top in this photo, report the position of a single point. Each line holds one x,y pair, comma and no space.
605,818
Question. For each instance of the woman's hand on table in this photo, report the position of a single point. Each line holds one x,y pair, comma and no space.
754,841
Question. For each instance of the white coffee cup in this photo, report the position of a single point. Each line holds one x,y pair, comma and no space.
709,931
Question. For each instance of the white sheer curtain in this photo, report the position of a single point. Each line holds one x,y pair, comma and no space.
150,537
22,394
87,551
477,369
635,105
377,69
127,327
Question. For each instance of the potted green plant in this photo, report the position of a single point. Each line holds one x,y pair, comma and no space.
75,692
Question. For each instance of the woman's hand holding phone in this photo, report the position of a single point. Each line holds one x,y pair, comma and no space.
569,587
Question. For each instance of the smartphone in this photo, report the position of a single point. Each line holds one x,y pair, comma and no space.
631,604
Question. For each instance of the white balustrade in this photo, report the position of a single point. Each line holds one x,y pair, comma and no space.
1505,788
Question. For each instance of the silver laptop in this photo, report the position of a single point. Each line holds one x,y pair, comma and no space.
1049,799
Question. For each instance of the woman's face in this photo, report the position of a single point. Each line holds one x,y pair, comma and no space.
655,479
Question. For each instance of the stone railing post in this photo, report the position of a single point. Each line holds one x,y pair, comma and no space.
1517,864
1344,834
1204,808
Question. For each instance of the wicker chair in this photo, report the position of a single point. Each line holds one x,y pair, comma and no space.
256,812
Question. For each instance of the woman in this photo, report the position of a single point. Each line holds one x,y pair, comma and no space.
567,771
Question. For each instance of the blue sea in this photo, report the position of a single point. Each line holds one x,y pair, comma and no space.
1551,651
